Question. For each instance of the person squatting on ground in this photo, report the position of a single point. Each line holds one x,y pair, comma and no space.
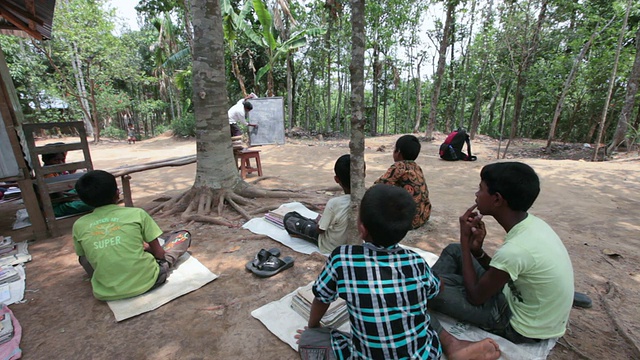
239,113
387,289
118,246
407,174
525,291
329,229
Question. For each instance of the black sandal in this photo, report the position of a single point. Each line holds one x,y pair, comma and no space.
272,266
262,256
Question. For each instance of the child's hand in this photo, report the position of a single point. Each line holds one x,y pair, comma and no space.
466,223
478,232
299,334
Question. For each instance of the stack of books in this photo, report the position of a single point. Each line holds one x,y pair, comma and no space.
6,329
6,245
236,142
335,316
8,274
276,217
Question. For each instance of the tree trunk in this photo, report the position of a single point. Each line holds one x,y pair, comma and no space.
376,79
187,23
629,100
567,85
442,59
477,104
356,144
290,90
327,45
94,107
82,90
503,112
612,81
216,168
418,95
466,60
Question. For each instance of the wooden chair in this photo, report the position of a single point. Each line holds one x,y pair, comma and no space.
50,185
245,156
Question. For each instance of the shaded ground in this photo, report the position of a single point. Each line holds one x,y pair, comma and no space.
593,206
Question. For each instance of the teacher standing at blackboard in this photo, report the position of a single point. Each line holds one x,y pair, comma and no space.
239,113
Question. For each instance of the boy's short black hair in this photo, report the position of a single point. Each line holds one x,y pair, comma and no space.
97,188
342,168
386,211
247,105
409,147
516,182
47,158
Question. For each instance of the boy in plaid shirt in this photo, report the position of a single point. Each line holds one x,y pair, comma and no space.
386,288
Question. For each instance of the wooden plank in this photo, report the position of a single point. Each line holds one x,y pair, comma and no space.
38,224
60,168
153,165
58,148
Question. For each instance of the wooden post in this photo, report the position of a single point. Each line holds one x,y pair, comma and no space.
126,190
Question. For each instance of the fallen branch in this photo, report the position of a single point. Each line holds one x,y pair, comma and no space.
611,289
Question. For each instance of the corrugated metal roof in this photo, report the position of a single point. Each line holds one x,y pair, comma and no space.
32,17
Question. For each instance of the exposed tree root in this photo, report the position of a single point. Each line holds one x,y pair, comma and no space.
611,290
567,345
207,205
258,179
209,219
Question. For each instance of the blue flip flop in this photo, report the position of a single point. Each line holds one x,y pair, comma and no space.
272,266
262,256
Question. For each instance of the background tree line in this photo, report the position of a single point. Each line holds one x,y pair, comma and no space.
557,70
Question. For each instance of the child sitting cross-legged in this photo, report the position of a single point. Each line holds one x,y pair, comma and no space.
118,246
407,174
387,289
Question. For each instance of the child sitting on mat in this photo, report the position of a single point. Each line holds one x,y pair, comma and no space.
328,230
523,292
118,246
387,289
406,174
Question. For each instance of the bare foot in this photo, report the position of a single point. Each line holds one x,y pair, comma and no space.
486,349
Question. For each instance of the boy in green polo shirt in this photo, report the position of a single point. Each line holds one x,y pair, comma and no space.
524,292
118,246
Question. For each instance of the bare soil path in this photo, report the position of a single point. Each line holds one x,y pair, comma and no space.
594,207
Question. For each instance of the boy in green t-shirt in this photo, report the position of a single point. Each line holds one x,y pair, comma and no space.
118,246
525,292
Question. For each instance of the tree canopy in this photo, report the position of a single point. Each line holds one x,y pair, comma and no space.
556,70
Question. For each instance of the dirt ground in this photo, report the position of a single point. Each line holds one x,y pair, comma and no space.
594,207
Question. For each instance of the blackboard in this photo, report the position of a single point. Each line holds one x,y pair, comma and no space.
268,113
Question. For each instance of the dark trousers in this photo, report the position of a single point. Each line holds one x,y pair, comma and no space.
492,316
235,130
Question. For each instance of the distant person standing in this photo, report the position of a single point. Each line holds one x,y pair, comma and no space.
131,134
239,113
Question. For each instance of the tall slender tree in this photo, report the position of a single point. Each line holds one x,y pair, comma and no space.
627,109
442,60
356,144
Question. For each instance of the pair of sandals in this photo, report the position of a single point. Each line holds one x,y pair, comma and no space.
267,263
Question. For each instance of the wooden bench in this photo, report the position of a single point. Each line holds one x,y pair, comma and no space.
245,156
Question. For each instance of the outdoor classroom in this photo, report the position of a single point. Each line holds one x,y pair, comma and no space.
183,187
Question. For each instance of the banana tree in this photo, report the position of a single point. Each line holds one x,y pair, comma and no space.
275,48
234,24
